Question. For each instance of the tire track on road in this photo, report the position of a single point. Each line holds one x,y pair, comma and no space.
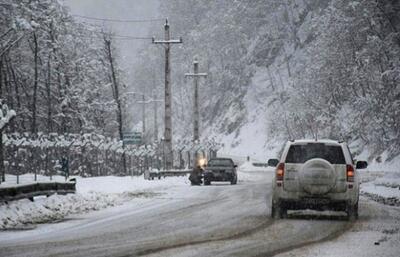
234,236
329,237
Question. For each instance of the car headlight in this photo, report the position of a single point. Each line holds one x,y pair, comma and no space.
202,162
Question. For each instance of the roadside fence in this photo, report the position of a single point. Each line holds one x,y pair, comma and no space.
89,155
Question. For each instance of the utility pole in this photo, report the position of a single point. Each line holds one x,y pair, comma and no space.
155,116
144,118
168,102
117,99
196,113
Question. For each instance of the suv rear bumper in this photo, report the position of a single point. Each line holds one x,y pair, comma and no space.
319,204
350,196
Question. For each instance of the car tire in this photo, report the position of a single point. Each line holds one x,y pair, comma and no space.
207,182
234,181
278,211
352,212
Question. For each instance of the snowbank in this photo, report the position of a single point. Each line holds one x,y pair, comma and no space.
92,194
118,185
384,189
389,180
247,172
249,167
24,213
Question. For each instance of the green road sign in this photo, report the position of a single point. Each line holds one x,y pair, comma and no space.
132,138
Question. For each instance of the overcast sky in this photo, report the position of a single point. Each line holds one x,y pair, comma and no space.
121,9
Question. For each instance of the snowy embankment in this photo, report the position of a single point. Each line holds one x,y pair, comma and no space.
381,180
92,194
385,189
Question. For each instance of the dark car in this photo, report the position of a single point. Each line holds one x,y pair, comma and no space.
220,169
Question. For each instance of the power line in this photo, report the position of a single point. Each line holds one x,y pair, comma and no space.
123,37
117,20
113,37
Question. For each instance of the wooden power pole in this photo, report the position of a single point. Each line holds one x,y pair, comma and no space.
144,118
155,102
168,101
196,113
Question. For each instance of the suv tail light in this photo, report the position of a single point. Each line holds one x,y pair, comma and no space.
280,171
350,173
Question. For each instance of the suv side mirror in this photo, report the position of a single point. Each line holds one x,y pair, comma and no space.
361,165
273,162
235,166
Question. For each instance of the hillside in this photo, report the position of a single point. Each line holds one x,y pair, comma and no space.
288,69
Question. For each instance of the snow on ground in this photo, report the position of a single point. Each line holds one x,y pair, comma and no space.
389,180
247,172
118,185
367,242
95,193
376,233
250,167
92,194
384,189
380,164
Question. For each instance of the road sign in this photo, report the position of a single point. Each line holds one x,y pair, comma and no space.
132,138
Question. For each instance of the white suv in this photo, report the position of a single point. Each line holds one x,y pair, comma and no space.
318,175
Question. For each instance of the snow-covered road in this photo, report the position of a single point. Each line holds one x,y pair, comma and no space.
217,220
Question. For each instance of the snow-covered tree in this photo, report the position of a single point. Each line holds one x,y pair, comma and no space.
54,71
6,115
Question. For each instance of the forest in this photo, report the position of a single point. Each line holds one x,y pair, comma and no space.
60,76
55,72
329,69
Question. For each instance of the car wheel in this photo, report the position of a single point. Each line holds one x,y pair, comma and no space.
234,181
278,211
352,212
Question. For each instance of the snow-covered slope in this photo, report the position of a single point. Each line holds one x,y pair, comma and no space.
288,69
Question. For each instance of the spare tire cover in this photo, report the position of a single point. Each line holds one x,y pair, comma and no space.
317,176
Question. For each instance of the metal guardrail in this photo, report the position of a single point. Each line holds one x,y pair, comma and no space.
28,191
150,175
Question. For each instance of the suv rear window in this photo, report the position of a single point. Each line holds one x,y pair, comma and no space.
303,153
